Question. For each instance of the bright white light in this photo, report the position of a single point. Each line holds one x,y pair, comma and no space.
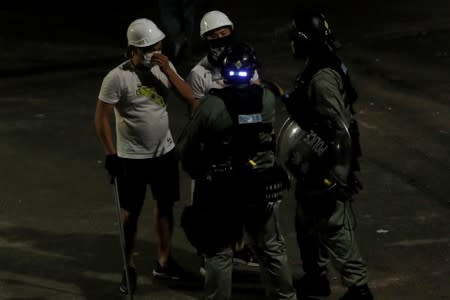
242,74
231,73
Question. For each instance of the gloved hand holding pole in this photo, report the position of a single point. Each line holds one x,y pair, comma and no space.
113,166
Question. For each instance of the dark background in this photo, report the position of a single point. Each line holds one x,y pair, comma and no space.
58,230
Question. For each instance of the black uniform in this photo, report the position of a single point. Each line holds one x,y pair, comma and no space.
228,148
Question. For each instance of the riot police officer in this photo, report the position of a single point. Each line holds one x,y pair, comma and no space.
228,148
324,145
218,32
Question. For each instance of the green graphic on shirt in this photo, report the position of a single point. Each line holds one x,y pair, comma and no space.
151,94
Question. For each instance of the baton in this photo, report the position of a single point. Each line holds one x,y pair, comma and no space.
122,236
191,199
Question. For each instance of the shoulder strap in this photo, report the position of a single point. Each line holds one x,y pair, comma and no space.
333,62
148,79
275,89
351,94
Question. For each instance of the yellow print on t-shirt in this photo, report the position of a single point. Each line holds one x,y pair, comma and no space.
151,94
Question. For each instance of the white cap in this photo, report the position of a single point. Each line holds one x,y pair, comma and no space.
213,20
143,33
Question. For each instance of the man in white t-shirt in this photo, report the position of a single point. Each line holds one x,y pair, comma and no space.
217,30
136,91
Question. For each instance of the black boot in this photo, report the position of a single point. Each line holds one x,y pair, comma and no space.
358,292
312,285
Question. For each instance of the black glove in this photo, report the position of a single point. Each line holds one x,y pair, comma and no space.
113,165
354,184
353,187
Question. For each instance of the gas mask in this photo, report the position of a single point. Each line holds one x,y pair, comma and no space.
148,59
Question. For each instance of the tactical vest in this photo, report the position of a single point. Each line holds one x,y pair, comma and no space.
303,109
237,145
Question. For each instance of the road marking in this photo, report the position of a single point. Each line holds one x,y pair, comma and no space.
419,242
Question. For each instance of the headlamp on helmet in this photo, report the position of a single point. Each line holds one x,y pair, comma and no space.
238,64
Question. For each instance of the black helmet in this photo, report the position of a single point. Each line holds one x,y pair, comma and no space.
311,33
238,63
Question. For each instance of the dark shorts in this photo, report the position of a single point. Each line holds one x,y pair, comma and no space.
161,173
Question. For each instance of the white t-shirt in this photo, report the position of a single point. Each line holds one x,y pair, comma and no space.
142,122
204,77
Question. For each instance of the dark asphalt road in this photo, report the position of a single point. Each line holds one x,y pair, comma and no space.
58,233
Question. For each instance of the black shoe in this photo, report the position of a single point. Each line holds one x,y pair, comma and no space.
132,278
309,286
358,292
245,257
171,270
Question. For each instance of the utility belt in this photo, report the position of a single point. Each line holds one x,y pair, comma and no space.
220,170
337,192
264,186
226,201
273,191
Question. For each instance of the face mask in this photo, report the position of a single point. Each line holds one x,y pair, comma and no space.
221,42
216,52
214,56
216,48
148,59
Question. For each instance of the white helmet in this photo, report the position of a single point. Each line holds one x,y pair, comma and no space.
213,20
143,33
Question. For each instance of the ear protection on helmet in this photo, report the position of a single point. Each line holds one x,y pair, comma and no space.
310,31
